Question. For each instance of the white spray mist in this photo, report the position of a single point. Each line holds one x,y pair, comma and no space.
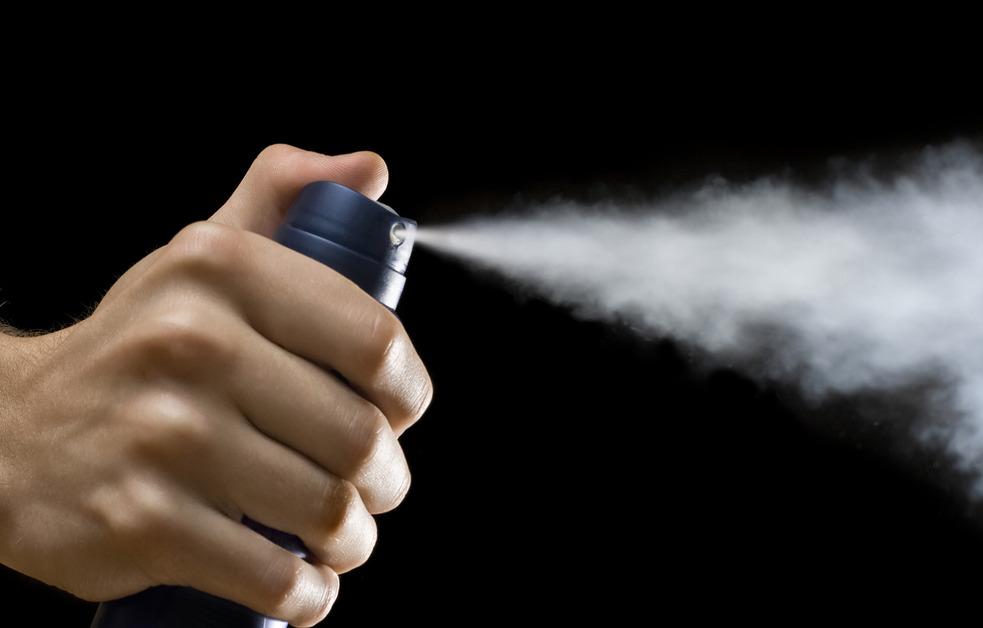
868,282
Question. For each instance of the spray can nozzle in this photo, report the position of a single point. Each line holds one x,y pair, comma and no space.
397,235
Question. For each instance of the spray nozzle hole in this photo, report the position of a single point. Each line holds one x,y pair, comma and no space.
397,235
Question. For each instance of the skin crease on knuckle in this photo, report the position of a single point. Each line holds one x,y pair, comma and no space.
378,467
205,249
393,370
182,339
167,427
274,157
346,528
368,430
289,591
138,513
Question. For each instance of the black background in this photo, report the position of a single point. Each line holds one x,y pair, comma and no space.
566,470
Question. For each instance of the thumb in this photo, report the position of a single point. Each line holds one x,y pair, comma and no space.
279,172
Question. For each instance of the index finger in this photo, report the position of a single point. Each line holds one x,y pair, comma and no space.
312,311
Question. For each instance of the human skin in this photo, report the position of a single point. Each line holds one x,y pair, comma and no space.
206,385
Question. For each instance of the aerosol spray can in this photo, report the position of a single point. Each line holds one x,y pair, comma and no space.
370,244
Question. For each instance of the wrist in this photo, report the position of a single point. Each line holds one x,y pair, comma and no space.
18,355
16,361
11,348
21,355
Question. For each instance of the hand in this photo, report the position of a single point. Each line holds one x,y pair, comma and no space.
201,389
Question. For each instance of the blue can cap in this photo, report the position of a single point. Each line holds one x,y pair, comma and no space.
364,240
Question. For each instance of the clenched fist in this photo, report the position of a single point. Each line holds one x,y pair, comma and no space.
207,385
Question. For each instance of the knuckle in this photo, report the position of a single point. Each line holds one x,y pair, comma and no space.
138,510
205,248
276,152
273,155
378,466
339,507
387,342
283,583
323,605
164,424
365,549
419,395
184,337
393,366
402,489
370,431
360,548
285,592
